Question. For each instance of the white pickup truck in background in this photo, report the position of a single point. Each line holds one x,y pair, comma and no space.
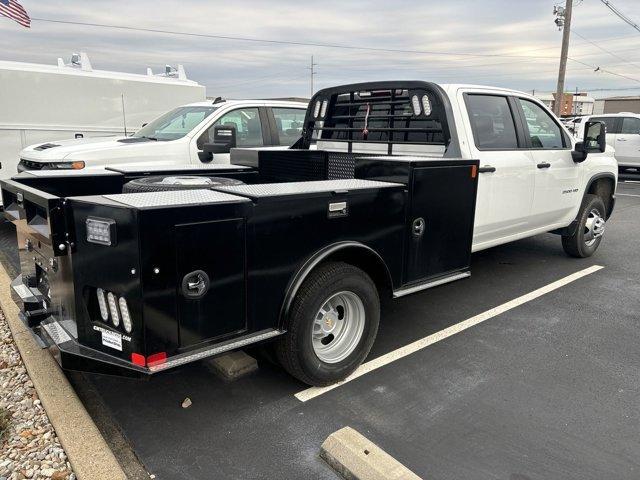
180,136
623,134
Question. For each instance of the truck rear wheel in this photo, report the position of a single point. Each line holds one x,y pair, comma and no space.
332,324
591,225
176,182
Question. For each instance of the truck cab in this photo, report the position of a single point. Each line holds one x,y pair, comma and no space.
179,136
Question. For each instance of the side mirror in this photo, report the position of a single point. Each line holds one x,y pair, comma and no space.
224,139
594,141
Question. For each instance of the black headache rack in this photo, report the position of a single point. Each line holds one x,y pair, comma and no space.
399,117
135,283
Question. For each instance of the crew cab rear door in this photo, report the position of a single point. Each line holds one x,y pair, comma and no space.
627,142
506,181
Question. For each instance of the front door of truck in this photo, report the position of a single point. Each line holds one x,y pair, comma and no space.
506,181
557,176
251,127
627,142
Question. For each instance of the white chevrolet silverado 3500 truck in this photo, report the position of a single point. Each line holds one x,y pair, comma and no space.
123,274
180,136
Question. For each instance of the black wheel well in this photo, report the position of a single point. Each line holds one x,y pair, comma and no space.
604,188
369,262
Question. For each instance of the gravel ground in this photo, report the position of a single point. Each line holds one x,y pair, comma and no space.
30,447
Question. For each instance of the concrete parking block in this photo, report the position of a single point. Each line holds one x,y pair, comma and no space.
354,457
232,365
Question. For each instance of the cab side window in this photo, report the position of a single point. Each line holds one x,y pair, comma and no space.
492,122
544,132
289,123
247,124
630,125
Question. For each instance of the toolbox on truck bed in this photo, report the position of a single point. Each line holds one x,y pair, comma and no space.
135,283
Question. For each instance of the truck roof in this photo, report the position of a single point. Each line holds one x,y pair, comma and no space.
275,103
450,87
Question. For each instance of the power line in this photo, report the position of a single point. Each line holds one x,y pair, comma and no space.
317,44
282,42
621,15
605,50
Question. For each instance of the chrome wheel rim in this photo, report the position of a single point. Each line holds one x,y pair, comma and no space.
338,327
594,227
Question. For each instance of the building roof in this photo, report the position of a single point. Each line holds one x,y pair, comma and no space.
630,98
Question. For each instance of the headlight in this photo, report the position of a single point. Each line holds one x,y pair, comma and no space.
102,303
126,318
113,308
79,165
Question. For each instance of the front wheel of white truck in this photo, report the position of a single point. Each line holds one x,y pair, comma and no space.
331,326
591,226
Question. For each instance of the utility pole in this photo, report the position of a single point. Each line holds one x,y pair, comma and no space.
563,21
313,72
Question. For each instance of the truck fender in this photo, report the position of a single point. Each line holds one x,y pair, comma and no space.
571,228
343,251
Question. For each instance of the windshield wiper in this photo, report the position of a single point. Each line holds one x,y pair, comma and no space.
149,138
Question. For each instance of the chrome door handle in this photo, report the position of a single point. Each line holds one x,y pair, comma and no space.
487,169
621,139
544,165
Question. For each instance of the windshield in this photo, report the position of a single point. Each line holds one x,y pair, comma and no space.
174,124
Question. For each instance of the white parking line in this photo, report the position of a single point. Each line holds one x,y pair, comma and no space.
402,352
627,195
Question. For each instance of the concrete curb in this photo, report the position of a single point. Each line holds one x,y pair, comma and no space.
88,453
354,457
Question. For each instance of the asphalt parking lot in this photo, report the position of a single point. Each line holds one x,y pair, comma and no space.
548,389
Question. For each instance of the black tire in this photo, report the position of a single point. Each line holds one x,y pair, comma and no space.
295,350
575,245
167,183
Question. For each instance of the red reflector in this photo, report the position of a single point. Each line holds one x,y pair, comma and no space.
137,359
474,171
156,359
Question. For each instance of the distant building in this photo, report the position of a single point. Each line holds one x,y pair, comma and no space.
617,105
572,103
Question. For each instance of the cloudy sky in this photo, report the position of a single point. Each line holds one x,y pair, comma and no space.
496,42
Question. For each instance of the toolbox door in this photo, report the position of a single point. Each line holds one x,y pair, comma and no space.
210,255
440,224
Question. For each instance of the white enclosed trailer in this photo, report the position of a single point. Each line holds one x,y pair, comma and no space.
45,103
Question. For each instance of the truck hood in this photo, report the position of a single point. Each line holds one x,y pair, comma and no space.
75,148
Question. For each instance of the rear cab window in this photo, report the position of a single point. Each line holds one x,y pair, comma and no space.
492,122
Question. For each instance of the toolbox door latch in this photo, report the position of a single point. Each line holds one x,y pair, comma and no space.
338,209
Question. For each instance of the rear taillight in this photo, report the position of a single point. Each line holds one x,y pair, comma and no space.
102,303
113,308
126,318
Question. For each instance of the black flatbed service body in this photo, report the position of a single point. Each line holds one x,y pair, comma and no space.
204,271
